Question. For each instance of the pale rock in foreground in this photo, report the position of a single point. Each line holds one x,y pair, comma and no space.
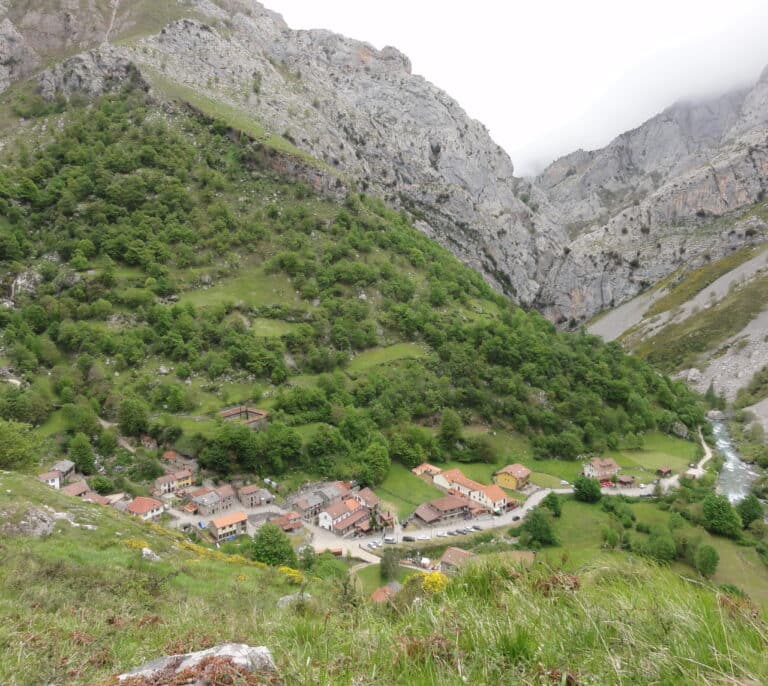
162,670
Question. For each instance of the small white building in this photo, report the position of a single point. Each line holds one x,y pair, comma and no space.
145,508
52,478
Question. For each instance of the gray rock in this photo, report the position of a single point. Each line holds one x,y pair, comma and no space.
715,415
693,375
150,555
92,73
247,657
287,600
35,522
680,430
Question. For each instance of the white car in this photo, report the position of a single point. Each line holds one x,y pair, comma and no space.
423,537
442,534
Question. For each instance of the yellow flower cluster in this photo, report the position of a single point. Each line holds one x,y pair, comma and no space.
432,582
211,554
136,543
241,578
294,576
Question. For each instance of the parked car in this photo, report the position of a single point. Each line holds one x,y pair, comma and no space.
408,539
563,482
442,534
390,539
516,518
423,537
477,528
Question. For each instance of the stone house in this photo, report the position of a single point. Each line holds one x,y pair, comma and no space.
254,496
443,510
226,495
513,476
207,503
232,524
601,468
66,468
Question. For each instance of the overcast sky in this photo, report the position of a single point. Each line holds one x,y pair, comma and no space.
549,76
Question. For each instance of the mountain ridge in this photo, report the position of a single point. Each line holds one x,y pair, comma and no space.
591,231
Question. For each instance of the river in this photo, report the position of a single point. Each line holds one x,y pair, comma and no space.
735,477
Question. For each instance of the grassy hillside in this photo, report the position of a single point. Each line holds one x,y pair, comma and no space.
172,274
81,605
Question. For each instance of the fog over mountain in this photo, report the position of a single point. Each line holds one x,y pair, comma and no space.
504,62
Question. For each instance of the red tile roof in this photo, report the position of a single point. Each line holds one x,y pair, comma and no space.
96,498
350,521
456,556
141,505
49,475
368,497
170,455
77,488
449,502
225,491
253,488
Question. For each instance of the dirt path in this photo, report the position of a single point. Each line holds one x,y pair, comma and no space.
122,441
115,5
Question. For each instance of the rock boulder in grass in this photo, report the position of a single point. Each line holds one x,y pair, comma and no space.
225,663
35,522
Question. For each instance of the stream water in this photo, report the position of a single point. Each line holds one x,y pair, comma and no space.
735,477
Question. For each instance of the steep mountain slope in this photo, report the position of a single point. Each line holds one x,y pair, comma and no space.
357,109
651,202
593,230
138,236
82,604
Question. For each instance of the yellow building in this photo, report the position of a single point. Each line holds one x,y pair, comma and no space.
513,477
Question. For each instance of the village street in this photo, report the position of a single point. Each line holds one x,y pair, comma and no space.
322,539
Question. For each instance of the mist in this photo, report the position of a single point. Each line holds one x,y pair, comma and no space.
550,77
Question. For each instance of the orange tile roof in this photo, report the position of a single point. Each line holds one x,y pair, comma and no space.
381,595
141,505
426,467
352,505
170,455
229,519
456,476
253,488
203,490
225,491
494,493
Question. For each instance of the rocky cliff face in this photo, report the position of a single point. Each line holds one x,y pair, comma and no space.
590,232
652,200
359,110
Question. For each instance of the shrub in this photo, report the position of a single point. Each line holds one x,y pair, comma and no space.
586,489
